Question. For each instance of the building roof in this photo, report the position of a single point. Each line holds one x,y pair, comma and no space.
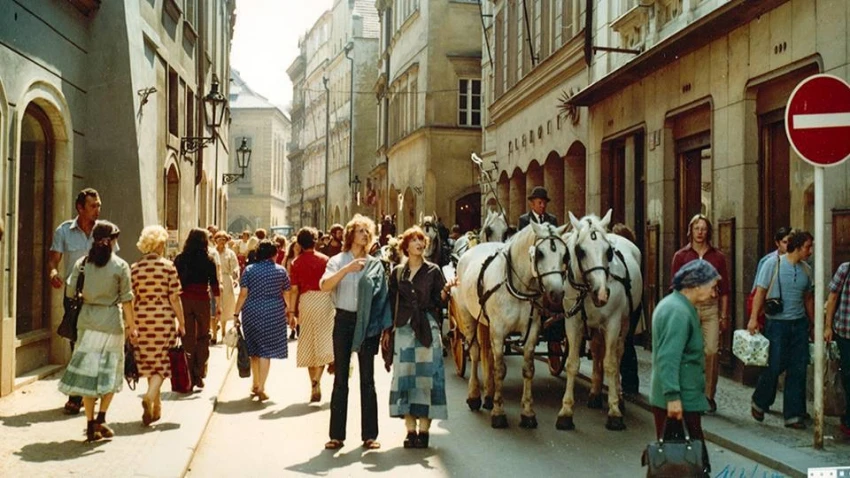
243,97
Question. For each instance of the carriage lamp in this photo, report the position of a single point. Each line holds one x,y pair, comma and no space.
215,105
243,159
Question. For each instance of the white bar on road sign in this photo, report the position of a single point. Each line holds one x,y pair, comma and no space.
825,120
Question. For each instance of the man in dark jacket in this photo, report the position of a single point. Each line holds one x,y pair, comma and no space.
537,201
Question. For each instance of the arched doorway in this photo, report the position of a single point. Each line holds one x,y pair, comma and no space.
553,181
34,219
517,195
468,212
575,180
408,210
239,224
336,217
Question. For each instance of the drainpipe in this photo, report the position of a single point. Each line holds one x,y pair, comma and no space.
348,47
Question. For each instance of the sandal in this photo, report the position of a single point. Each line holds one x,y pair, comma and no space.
261,396
156,412
147,416
92,433
333,445
316,393
371,444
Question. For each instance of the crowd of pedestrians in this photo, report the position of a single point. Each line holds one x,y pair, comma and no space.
339,299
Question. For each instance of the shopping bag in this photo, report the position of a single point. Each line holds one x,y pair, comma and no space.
181,381
243,361
231,341
750,349
674,457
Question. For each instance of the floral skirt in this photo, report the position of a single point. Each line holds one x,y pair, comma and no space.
97,365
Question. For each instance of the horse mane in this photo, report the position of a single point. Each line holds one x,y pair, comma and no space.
588,223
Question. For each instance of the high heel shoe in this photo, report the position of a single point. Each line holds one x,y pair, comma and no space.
146,411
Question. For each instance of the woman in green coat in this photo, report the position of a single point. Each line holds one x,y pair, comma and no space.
678,360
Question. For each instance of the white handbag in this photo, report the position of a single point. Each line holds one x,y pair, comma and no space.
750,349
231,339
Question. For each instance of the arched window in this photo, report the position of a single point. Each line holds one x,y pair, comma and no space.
172,198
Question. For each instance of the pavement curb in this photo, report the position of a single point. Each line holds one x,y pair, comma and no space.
185,469
735,446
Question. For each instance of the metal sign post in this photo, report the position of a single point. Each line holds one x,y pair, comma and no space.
817,122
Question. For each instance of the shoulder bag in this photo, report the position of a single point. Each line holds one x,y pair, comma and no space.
673,457
387,353
68,326
774,306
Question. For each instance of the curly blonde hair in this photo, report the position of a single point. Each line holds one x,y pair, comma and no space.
152,239
351,228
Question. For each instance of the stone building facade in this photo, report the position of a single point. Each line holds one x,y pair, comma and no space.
259,199
692,122
429,117
98,94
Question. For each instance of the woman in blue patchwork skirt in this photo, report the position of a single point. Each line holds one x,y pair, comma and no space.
106,319
417,292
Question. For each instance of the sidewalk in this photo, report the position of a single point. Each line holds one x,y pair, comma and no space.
38,439
770,443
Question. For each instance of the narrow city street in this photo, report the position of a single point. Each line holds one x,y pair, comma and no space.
285,435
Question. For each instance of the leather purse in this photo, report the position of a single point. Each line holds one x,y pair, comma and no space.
68,326
243,361
181,381
674,457
131,368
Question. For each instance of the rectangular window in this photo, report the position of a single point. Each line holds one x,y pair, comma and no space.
511,32
499,66
190,12
569,24
414,105
190,113
173,103
469,102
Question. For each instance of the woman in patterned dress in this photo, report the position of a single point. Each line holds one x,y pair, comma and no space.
96,369
417,292
263,303
156,291
316,311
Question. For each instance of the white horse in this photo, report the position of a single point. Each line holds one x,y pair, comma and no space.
605,268
503,285
495,229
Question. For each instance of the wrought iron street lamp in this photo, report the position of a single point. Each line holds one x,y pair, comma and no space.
243,159
215,105
356,183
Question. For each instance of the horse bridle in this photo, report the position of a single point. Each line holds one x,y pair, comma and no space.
584,272
553,240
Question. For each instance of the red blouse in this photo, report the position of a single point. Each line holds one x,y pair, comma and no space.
307,269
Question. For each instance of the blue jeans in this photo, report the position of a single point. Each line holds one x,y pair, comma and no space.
789,353
844,350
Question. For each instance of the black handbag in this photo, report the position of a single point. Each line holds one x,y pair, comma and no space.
68,326
243,361
131,368
674,457
774,306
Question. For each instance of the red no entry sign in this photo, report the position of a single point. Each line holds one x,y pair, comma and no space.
817,120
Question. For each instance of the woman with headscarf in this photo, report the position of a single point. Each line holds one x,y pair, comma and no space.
106,319
677,392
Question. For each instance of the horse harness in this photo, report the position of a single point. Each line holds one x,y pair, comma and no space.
530,297
584,288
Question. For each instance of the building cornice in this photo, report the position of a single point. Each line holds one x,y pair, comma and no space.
564,64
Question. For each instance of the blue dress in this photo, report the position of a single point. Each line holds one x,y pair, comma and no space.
264,311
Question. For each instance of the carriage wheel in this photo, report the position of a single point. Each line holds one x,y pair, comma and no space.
459,351
557,358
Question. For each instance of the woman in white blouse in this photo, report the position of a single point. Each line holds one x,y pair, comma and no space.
229,276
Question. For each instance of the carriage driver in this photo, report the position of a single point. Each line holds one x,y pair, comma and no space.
537,202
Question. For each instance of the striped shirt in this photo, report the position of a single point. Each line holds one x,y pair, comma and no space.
840,286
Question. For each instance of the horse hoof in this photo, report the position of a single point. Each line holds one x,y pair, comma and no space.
488,403
594,401
527,422
499,421
622,406
615,424
474,403
565,423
